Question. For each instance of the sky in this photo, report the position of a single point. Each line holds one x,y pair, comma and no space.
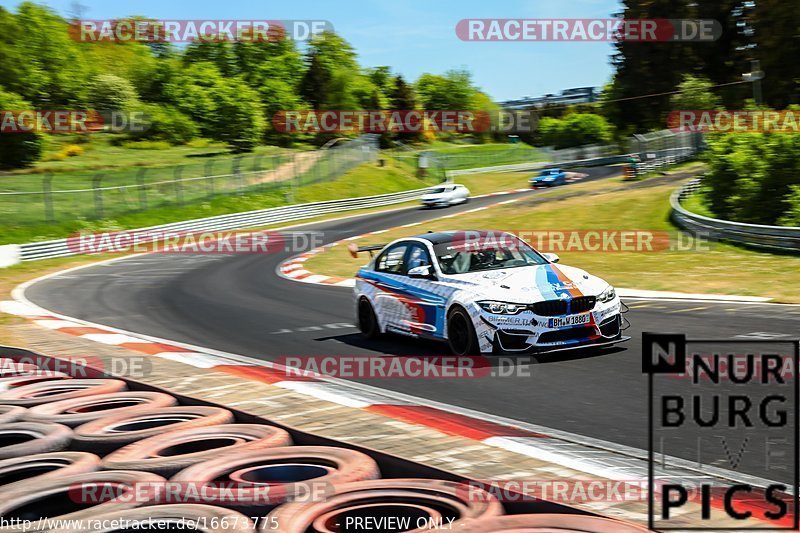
412,36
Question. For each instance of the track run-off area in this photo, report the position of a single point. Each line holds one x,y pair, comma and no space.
239,304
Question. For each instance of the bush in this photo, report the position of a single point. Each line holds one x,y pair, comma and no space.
109,92
753,177
72,150
577,129
18,150
166,124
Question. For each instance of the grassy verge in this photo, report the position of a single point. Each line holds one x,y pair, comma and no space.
703,268
363,180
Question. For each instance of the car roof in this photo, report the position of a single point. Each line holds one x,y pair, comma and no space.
439,237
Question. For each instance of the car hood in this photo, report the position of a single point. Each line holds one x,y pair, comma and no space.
529,284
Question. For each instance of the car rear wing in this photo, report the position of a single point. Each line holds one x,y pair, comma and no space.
354,249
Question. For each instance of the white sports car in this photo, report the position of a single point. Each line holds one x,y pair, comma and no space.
445,195
484,292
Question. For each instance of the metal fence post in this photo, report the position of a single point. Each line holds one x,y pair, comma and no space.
142,189
238,178
209,167
47,190
178,184
97,181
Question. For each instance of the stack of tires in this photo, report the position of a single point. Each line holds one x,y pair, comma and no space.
92,455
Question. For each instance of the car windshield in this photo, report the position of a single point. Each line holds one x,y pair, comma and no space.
437,190
484,252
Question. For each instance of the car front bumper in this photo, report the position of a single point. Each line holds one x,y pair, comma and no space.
528,332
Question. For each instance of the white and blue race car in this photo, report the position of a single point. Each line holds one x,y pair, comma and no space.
483,292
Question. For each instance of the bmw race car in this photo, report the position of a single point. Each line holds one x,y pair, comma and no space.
483,292
549,178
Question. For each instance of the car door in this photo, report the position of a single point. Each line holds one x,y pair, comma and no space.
424,305
388,280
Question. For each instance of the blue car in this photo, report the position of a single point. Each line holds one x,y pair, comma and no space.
549,177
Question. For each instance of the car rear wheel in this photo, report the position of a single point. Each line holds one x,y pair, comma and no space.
367,321
461,333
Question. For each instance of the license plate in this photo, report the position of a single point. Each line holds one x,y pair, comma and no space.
572,320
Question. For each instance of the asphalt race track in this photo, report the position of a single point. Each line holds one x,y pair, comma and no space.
237,303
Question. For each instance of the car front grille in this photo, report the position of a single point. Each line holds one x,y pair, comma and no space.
550,308
581,304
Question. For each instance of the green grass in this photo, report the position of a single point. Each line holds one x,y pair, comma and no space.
461,156
703,268
363,180
696,204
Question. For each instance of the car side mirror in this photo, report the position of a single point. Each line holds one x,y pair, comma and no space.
422,272
553,258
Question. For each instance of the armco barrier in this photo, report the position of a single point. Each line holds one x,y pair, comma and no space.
248,219
781,238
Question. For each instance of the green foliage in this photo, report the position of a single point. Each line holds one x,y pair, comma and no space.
753,177
166,124
110,92
18,150
576,129
454,90
695,93
225,109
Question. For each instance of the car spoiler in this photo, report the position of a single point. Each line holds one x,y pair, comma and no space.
354,249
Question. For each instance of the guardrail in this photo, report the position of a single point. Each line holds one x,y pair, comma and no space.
248,219
774,238
536,165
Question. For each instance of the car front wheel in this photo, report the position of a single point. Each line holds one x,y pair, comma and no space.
461,333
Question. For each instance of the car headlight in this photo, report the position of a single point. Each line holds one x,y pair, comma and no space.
502,308
607,295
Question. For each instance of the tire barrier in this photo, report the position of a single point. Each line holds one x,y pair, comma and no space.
420,503
53,391
116,430
21,380
171,452
546,523
19,439
11,413
290,473
77,411
204,518
18,471
77,497
53,434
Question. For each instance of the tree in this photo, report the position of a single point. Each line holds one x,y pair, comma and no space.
40,61
226,109
109,92
18,150
315,85
695,93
